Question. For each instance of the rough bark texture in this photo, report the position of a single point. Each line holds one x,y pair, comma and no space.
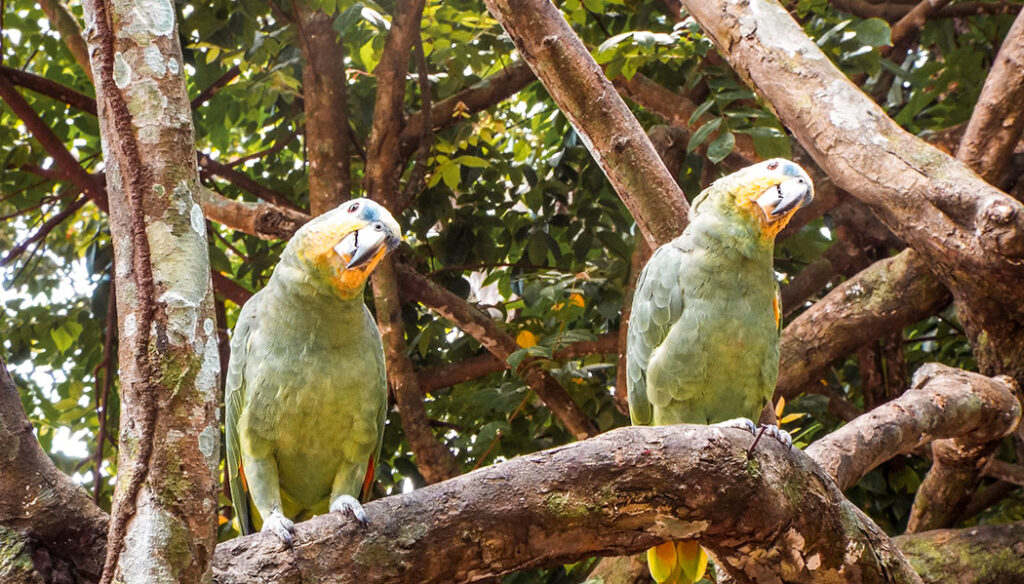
42,512
324,96
956,470
997,121
487,332
64,22
166,497
607,127
970,233
942,402
888,295
560,505
264,220
989,554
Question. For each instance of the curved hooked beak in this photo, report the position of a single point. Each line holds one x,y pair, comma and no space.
362,245
785,197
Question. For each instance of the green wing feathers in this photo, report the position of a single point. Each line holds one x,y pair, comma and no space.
657,305
234,402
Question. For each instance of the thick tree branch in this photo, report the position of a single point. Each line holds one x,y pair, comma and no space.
617,493
264,220
957,466
39,500
208,168
67,166
482,328
586,97
942,402
325,98
889,295
383,152
970,233
997,121
70,32
995,554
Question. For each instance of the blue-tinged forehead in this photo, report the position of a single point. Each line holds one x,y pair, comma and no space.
790,169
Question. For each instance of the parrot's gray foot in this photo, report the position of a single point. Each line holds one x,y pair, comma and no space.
775,432
741,423
280,525
350,504
779,434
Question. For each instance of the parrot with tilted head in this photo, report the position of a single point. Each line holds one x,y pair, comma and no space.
306,394
703,339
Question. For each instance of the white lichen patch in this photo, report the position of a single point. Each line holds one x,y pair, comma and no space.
151,533
209,369
774,27
209,446
145,18
122,71
172,66
149,135
131,325
670,527
181,269
146,103
208,326
154,61
198,219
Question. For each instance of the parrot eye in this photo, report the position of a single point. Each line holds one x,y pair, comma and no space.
353,207
773,165
378,227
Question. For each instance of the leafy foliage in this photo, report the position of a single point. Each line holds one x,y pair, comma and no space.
515,216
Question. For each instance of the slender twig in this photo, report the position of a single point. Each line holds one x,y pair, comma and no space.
101,406
216,86
44,230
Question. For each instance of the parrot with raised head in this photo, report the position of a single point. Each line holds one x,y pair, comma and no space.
703,339
306,392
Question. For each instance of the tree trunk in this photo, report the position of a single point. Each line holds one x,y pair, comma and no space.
163,526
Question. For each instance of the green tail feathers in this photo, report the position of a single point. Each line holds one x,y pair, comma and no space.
677,562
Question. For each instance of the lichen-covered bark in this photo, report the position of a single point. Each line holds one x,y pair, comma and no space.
942,402
888,295
607,127
163,526
987,554
970,233
776,517
40,507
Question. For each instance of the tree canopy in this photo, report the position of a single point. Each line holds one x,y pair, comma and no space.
534,154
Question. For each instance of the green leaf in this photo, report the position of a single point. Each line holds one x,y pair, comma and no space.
702,133
347,19
62,338
614,41
874,32
472,161
721,146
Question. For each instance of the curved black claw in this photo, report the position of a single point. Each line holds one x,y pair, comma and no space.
281,526
350,504
773,431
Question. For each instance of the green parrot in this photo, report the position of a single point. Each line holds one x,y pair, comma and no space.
703,339
306,393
